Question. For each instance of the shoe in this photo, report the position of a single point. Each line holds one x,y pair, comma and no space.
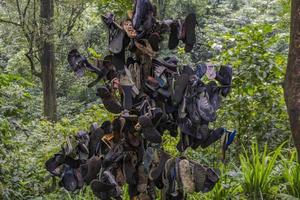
106,126
148,158
214,95
180,85
173,38
118,61
202,132
172,60
224,76
227,140
157,115
154,40
115,154
186,175
106,184
134,140
184,142
132,191
152,84
205,178
199,177
214,136
109,102
95,139
188,70
205,108
189,32
69,180
73,163
116,34
94,127
53,164
210,72
162,63
79,177
116,43
143,196
145,48
127,96
192,109
76,62
108,19
99,187
142,10
156,173
118,125
142,180
83,142
129,167
129,117
166,94
91,169
187,127
200,70
149,131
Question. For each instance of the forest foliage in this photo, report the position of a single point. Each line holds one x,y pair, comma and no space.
252,36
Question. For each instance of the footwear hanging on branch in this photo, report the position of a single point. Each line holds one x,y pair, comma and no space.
150,96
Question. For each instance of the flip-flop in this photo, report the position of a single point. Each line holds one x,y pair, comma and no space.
91,169
180,85
224,76
53,164
173,37
69,180
109,102
154,40
149,131
205,108
129,167
190,34
210,72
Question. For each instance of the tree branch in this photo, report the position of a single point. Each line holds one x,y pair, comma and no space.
32,66
19,12
25,9
72,20
10,22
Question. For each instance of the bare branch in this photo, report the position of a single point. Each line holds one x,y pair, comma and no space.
25,9
34,13
19,12
10,22
32,66
73,18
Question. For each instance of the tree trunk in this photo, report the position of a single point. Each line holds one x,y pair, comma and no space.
292,78
48,59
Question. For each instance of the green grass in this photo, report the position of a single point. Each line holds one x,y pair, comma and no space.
291,175
257,169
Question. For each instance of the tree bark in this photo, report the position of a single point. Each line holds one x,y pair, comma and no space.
48,59
292,78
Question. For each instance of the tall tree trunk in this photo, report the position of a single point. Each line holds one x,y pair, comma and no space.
292,78
48,59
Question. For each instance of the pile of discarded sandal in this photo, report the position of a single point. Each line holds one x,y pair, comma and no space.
149,96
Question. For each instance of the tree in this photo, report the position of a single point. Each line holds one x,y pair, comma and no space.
48,59
40,37
292,78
